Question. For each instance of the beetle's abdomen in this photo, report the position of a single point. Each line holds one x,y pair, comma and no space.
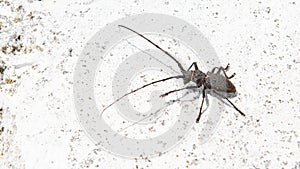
219,83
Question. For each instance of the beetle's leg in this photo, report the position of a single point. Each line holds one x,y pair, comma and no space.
243,114
227,67
189,87
219,71
193,72
221,68
200,112
212,71
195,66
231,76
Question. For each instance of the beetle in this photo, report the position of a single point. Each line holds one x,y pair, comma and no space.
217,83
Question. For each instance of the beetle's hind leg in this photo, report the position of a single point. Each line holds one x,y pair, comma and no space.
224,97
231,76
224,70
220,68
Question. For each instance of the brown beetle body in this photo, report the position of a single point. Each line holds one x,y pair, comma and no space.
216,82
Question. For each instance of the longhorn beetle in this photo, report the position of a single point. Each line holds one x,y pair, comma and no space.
217,83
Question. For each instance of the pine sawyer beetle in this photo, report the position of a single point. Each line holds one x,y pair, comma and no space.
214,81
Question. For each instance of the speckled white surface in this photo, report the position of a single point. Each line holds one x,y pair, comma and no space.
260,39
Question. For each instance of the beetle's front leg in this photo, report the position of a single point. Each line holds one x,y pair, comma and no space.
195,66
200,112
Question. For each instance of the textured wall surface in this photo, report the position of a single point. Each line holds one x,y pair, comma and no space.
40,42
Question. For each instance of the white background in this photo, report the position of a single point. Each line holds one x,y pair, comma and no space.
260,39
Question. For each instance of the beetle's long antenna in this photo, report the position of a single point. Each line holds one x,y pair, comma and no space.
162,80
167,53
170,67
176,90
153,113
139,121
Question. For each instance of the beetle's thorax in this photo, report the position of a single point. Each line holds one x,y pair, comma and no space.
198,77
